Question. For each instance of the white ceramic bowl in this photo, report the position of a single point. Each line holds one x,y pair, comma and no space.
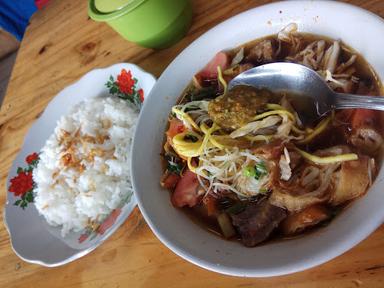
360,29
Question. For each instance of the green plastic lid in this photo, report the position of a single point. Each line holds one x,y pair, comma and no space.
109,6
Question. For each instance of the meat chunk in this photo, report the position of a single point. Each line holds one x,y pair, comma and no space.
309,185
233,71
270,151
304,219
294,203
305,188
367,139
354,179
237,107
262,52
365,131
312,55
257,222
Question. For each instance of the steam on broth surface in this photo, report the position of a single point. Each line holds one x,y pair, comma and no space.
242,164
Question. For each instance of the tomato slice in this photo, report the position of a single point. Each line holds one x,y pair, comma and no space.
210,70
186,191
364,118
176,126
170,181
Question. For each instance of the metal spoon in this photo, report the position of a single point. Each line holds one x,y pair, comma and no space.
310,94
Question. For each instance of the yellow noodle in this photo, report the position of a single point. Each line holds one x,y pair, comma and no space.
297,130
272,106
274,112
221,79
265,138
185,117
190,166
318,129
328,159
187,148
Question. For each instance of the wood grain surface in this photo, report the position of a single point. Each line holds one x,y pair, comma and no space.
60,45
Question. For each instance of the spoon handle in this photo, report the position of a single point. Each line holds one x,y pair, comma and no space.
345,101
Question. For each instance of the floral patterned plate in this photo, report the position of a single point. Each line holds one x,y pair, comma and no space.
32,238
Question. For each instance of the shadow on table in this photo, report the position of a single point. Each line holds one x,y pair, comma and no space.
6,65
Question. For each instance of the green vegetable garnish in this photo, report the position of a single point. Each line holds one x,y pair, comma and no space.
249,171
261,170
174,168
258,171
173,165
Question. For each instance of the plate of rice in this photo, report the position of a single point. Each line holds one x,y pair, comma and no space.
70,186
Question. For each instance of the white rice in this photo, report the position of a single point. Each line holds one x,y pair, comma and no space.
76,193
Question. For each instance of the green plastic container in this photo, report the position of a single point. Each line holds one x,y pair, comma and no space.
149,23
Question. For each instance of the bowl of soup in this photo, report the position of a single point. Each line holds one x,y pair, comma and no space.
232,180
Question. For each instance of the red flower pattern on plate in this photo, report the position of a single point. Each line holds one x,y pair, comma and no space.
125,88
125,82
31,158
141,94
21,184
111,219
104,226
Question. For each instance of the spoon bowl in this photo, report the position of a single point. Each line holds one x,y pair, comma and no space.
309,93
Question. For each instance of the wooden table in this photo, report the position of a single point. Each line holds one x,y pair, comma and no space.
60,45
